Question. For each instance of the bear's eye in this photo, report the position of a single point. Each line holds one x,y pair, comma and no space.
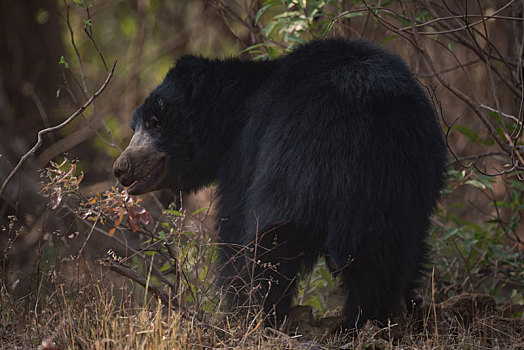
152,123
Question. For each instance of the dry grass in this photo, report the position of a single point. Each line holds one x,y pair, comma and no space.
76,304
93,318
93,315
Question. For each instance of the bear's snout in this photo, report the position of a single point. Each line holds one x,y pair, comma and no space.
121,168
137,160
141,169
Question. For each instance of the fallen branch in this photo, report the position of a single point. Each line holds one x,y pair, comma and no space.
129,273
42,132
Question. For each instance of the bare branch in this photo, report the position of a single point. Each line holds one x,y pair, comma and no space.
502,114
463,27
508,148
157,292
57,127
478,156
450,69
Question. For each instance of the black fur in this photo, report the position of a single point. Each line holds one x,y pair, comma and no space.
332,150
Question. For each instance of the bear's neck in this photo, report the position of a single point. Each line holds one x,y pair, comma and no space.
220,109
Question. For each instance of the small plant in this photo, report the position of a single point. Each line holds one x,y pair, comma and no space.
176,249
61,181
483,258
113,206
288,23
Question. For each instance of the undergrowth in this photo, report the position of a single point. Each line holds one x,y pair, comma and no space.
162,294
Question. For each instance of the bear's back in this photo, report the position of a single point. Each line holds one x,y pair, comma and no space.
335,116
351,68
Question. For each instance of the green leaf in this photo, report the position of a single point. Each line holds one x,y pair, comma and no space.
79,3
518,185
296,39
273,52
315,302
251,48
173,212
351,15
192,234
288,15
476,183
470,134
388,38
41,16
422,15
165,267
63,61
269,28
199,211
264,8
326,275
493,115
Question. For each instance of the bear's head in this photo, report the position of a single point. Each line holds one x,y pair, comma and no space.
161,151
175,143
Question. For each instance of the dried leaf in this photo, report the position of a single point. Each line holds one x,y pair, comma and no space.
56,198
134,226
119,219
146,218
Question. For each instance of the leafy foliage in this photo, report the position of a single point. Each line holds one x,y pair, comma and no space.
487,257
61,181
113,205
292,22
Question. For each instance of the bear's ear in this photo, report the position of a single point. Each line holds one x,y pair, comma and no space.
189,75
187,64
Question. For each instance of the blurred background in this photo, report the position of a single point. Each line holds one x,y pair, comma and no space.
54,55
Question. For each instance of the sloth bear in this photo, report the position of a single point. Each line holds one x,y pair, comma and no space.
332,150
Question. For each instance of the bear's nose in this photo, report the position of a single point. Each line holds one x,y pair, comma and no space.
121,166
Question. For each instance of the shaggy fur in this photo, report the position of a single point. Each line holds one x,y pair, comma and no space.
333,150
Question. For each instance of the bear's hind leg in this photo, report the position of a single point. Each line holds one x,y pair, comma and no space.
377,276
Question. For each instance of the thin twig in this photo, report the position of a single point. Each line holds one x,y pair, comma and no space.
450,69
123,244
477,157
89,33
461,95
84,88
502,114
463,27
57,127
128,272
